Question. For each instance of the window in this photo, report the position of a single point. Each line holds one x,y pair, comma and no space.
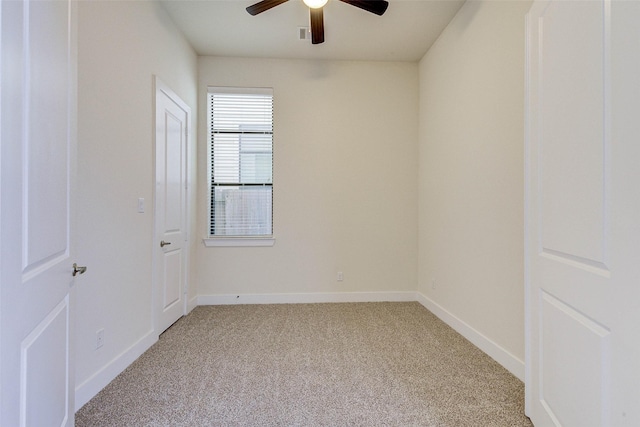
241,162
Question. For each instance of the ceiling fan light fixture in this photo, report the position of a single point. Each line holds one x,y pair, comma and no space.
315,4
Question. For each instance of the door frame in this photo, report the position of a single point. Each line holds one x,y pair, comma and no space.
160,87
528,386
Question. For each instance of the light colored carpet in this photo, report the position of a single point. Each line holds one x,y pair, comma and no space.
360,364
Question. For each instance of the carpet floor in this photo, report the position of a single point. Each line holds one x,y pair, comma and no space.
347,364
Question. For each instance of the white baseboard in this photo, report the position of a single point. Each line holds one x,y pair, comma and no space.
191,304
306,298
496,352
88,389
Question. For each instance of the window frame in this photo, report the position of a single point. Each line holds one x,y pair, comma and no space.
233,240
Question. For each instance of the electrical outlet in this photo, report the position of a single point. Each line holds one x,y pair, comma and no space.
340,276
433,283
99,338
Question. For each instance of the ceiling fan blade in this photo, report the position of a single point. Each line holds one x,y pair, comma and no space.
317,26
374,6
263,5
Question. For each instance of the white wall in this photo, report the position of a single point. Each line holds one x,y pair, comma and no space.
122,45
471,177
345,181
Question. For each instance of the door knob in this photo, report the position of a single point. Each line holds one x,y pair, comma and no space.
163,243
78,270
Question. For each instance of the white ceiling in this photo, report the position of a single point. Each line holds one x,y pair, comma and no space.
224,28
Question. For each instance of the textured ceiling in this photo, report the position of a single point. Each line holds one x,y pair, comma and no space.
224,28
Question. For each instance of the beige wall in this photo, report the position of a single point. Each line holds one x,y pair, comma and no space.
122,45
471,172
345,179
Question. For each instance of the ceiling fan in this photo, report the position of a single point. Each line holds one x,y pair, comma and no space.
315,10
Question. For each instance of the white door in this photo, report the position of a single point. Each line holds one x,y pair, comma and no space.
583,211
37,175
172,131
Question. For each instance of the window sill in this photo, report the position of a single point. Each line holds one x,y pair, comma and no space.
238,241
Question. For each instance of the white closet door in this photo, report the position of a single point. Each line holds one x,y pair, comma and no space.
38,125
579,278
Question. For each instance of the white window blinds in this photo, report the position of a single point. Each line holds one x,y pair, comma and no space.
241,159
